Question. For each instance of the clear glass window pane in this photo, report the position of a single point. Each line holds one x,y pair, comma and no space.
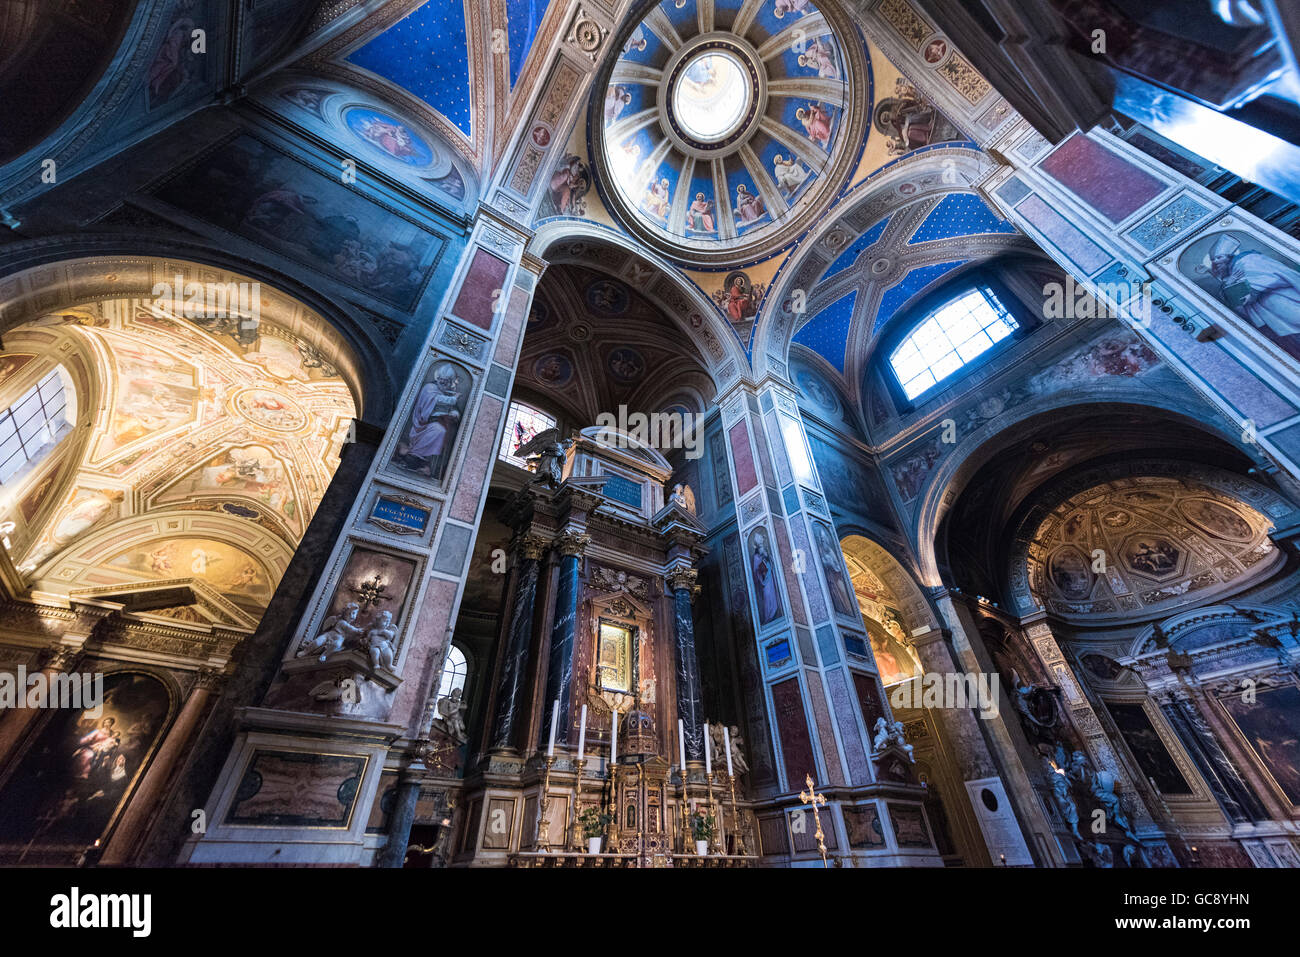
522,425
954,335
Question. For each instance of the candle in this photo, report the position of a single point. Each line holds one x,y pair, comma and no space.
708,752
582,733
726,743
613,739
681,744
555,716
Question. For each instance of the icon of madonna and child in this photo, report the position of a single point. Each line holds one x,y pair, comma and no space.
430,434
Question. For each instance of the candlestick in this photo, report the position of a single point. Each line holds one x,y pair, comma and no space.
726,744
544,809
613,738
555,716
735,815
582,734
708,752
681,745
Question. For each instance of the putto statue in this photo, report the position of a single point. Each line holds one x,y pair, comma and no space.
379,640
891,735
451,717
683,497
738,763
550,452
339,631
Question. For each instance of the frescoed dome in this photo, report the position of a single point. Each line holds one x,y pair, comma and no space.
725,127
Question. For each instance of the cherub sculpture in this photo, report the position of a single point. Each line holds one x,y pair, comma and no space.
683,496
379,640
887,735
739,765
339,630
451,716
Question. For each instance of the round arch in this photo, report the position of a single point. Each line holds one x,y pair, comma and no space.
47,275
945,483
689,309
922,176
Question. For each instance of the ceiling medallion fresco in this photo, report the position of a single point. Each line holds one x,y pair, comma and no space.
725,127
1135,545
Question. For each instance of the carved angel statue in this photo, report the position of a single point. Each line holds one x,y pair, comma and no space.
451,716
1061,793
887,734
379,640
550,452
738,763
683,497
338,631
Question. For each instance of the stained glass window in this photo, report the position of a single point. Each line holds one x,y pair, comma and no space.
950,337
522,425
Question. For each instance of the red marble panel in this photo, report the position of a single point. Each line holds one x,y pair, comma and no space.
822,715
792,728
482,289
743,456
512,328
1105,180
869,699
478,459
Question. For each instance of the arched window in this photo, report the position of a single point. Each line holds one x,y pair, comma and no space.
454,673
523,423
950,337
33,426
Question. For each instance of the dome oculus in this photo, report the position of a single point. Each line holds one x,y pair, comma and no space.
711,95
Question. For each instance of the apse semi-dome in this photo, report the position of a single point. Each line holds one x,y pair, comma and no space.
724,128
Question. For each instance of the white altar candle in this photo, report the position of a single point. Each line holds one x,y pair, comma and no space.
708,752
555,716
681,745
613,739
582,733
726,743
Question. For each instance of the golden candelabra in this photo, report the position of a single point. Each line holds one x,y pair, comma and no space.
611,836
735,818
685,815
717,818
811,796
544,808
575,838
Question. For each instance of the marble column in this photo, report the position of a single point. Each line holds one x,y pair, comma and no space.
393,854
1234,795
690,698
515,654
559,673
124,843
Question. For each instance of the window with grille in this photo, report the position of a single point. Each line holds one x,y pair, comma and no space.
32,426
950,338
454,673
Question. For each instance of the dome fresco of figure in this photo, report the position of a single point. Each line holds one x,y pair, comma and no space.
725,126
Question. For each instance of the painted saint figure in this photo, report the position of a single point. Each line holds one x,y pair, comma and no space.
616,100
766,593
749,208
699,216
657,201
816,120
434,424
790,174
1256,286
818,56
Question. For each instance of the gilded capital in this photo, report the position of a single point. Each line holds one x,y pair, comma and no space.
570,542
531,546
683,576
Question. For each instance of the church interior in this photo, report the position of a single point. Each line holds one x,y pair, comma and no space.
650,434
